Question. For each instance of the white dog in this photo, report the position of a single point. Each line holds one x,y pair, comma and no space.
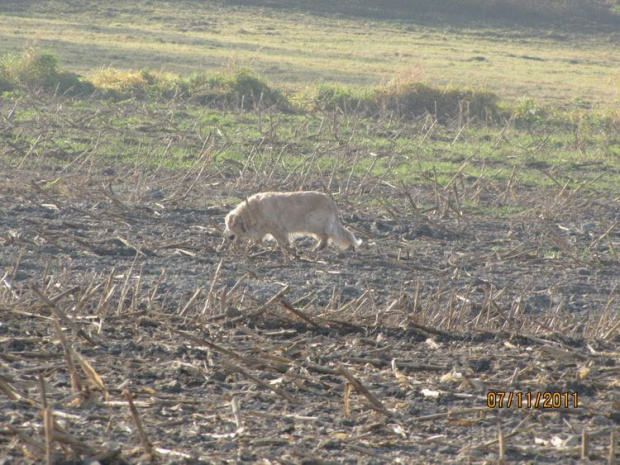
285,215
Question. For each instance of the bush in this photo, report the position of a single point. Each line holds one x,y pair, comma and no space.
330,97
238,87
528,114
412,99
33,70
120,84
409,99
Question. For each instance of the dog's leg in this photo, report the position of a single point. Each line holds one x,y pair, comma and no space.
321,244
285,246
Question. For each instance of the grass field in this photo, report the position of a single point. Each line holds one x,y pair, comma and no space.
558,91
293,49
479,162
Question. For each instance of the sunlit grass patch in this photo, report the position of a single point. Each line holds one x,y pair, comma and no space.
230,87
34,70
233,86
121,82
410,99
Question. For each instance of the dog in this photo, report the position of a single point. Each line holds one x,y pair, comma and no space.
286,215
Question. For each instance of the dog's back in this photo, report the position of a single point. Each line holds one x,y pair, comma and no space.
285,215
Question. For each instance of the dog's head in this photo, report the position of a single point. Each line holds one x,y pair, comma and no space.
234,226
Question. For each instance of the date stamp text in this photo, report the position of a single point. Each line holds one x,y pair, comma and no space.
532,399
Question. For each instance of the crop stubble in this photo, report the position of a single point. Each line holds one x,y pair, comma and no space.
128,329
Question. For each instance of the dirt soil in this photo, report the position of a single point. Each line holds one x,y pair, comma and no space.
444,339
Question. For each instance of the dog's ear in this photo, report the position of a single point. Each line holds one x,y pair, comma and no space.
235,221
240,224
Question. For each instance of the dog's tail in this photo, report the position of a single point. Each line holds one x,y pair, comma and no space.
342,237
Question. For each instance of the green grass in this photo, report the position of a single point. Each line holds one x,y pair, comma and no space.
295,50
313,146
33,70
474,109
